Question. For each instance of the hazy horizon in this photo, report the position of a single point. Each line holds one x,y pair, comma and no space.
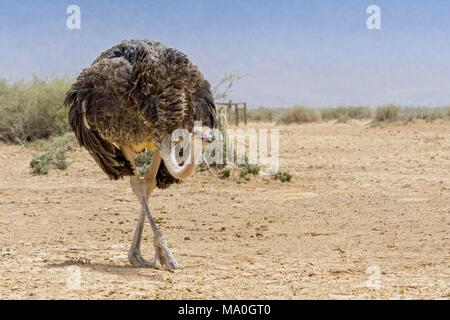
290,52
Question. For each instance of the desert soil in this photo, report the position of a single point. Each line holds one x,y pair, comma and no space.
367,216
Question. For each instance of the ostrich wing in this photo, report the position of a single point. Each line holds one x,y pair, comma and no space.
92,100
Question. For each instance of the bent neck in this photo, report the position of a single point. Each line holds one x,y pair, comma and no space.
171,163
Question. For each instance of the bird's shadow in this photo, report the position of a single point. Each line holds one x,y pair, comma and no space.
121,270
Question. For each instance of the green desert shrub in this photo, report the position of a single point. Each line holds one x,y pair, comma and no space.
253,168
225,173
41,163
283,176
52,153
32,110
243,174
59,159
143,161
247,169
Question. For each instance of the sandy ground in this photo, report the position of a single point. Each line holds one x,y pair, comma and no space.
367,216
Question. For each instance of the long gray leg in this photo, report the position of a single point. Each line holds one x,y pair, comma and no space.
142,188
134,255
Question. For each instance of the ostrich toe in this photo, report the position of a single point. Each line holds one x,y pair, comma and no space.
163,255
137,261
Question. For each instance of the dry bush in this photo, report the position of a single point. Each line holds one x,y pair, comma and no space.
423,113
222,89
32,110
395,113
298,115
262,114
343,114
387,113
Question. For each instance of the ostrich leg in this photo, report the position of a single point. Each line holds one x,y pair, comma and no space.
142,189
134,255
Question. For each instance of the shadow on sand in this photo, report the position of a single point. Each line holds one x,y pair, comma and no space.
110,268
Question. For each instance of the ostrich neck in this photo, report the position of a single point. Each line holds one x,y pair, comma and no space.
177,171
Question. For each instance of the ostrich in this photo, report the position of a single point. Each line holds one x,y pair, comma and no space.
131,99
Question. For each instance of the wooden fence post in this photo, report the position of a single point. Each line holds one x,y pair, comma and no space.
236,108
230,108
245,113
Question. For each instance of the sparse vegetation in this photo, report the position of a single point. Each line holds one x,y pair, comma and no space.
305,115
32,113
344,114
33,110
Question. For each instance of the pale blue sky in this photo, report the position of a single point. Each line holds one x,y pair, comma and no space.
317,53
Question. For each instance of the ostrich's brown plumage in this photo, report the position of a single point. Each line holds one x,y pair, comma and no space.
134,93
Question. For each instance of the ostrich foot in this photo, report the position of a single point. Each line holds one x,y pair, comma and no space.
137,261
163,255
